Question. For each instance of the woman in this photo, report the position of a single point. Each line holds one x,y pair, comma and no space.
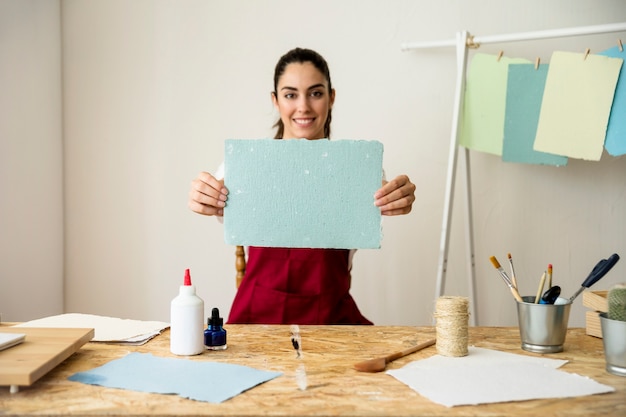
298,286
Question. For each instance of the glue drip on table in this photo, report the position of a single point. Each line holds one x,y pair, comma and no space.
296,342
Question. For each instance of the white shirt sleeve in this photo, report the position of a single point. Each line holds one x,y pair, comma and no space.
219,174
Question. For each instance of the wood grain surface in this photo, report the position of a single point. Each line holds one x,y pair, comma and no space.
334,387
41,351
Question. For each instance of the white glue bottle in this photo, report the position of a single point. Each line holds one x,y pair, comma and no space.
187,321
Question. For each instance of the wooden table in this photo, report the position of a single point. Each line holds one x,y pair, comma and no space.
334,387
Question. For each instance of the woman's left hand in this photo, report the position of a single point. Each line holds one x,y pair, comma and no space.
396,196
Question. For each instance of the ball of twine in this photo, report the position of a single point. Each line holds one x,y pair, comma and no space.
452,316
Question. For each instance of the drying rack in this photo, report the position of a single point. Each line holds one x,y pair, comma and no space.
463,42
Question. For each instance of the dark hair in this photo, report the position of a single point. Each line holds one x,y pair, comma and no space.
301,55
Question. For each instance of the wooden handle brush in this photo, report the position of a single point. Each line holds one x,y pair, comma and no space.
379,364
506,279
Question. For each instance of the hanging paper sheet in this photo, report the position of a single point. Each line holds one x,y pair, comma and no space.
615,143
303,193
576,105
524,92
484,105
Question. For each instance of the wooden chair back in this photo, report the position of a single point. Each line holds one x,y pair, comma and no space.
240,264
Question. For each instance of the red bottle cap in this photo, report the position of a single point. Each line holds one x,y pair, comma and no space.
187,278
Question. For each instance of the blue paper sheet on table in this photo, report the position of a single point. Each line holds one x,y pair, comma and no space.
303,193
197,380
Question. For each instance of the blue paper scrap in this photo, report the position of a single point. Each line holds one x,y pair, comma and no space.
303,193
197,380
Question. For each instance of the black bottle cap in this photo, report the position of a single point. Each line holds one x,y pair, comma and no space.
215,319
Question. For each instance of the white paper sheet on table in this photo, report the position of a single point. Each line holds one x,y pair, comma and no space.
107,329
8,340
489,376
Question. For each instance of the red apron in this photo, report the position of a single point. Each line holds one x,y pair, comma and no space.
296,286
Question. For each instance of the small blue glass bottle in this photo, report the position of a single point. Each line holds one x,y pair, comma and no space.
215,334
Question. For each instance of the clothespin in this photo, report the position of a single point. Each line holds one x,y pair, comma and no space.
621,47
537,63
586,53
470,42
500,55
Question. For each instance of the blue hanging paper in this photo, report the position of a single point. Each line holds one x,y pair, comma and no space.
615,143
524,92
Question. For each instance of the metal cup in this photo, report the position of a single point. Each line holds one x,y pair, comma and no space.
542,327
614,341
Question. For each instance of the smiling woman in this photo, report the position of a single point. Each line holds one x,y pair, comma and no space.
303,95
298,285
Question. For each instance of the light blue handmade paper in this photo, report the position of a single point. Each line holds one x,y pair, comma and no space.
197,380
524,92
615,143
302,193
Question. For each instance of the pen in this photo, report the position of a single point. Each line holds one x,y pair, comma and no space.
542,282
550,296
296,341
506,279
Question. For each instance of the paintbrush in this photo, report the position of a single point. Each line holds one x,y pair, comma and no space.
513,279
506,279
379,364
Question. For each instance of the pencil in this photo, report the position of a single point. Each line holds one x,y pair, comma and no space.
542,281
549,275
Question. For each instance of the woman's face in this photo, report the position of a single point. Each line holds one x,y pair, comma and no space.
303,100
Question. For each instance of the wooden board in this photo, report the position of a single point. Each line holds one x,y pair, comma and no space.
592,321
41,352
596,300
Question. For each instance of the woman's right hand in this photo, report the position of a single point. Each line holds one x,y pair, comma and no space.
208,195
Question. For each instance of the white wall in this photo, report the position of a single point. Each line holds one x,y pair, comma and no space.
31,160
152,89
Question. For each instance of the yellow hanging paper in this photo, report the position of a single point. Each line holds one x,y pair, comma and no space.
576,105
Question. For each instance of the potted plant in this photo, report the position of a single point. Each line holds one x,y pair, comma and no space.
613,324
